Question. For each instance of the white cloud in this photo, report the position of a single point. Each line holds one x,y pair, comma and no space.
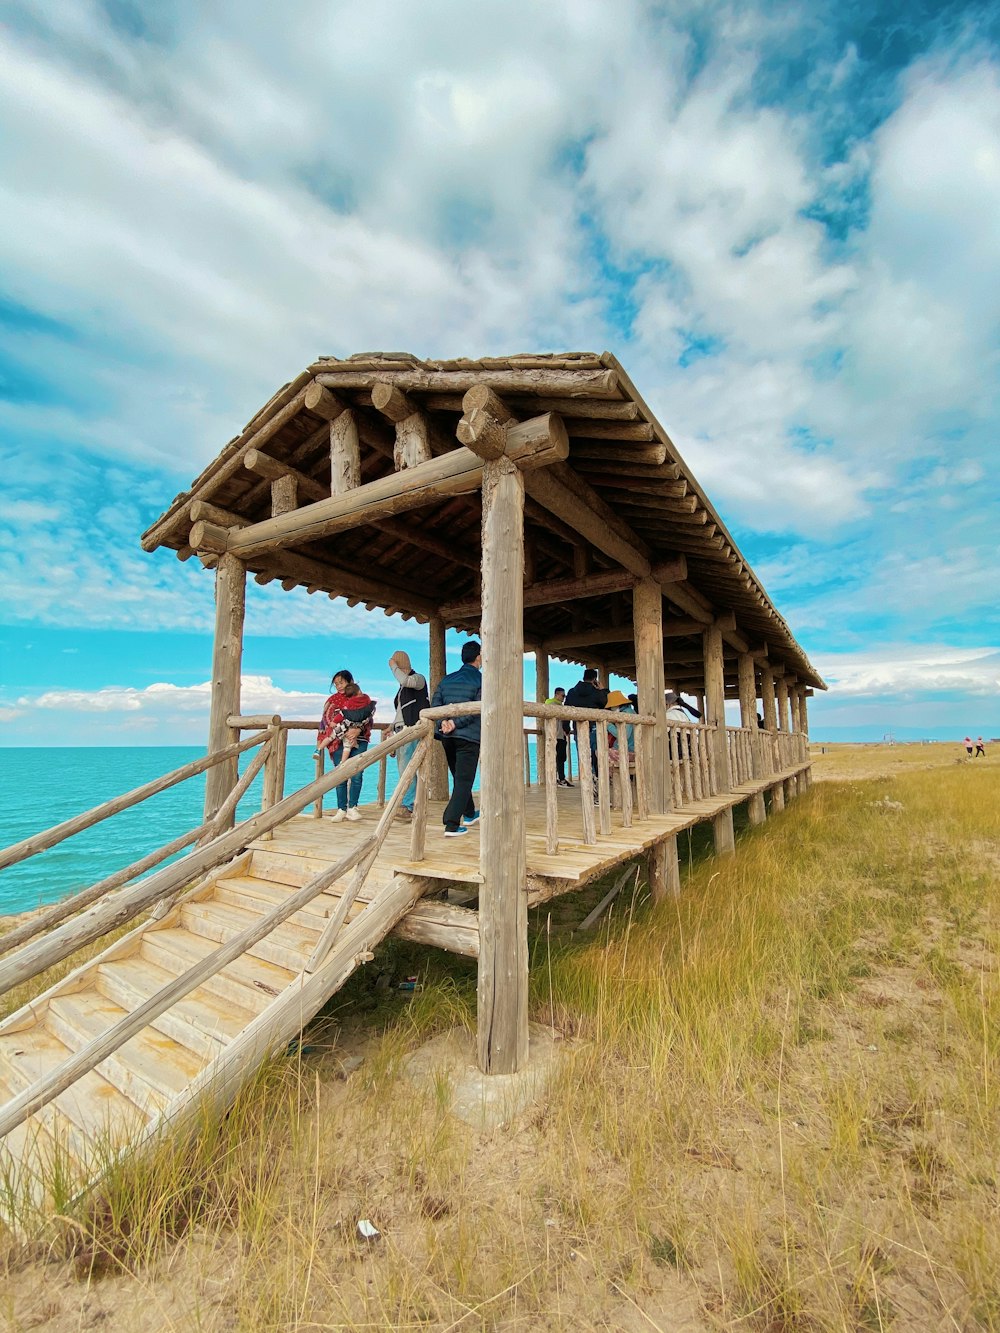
909,669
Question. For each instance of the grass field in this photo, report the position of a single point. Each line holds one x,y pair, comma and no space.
778,1109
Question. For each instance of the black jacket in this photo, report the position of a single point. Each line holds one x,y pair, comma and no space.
584,694
460,687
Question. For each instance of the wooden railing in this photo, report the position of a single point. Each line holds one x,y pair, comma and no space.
108,912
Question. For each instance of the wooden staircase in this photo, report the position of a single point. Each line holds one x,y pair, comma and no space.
206,1043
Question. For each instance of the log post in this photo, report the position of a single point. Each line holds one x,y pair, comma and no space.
715,716
541,694
227,658
664,870
770,717
781,692
647,622
345,454
284,494
502,990
437,769
756,809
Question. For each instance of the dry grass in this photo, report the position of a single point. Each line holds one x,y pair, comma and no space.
779,1111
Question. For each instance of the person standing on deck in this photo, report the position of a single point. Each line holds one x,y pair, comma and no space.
411,697
561,734
587,693
360,709
460,737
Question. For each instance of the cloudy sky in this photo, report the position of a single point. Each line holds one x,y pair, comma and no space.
782,218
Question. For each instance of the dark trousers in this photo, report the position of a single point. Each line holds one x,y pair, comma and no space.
463,760
561,759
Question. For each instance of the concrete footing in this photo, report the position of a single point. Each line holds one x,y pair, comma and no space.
446,1067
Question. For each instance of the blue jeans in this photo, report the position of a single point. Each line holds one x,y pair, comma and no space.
403,756
349,793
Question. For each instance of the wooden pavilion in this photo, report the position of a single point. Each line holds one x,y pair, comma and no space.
532,501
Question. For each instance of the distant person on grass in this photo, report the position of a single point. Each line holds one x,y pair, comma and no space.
411,697
968,746
980,748
460,737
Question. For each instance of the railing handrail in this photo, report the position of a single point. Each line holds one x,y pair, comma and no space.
51,837
68,938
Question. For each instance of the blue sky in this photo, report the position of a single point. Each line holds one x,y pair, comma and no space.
783,220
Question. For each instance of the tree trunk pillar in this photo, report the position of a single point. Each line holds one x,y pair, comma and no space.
436,668
647,621
541,694
503,903
227,659
715,716
748,718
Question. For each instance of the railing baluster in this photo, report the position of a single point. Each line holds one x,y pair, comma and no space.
418,829
318,807
643,740
625,779
551,790
586,783
603,779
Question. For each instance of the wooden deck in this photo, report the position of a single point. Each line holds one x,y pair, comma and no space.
302,846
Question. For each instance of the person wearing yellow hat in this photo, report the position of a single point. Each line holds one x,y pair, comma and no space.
619,703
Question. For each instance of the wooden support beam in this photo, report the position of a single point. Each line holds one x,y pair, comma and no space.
502,992
781,700
574,384
413,437
345,455
532,444
756,809
647,616
423,541
767,698
572,589
664,871
436,668
586,638
715,716
227,657
571,499
284,495
325,404
265,466
202,511
542,695
339,581
690,601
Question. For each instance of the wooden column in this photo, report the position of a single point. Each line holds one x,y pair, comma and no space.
603,675
647,622
436,668
715,716
345,454
541,694
227,658
664,870
748,718
781,692
503,903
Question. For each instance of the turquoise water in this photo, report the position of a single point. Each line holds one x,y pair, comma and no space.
42,787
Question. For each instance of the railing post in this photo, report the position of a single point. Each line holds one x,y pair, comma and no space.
274,767
541,733
318,805
715,715
437,779
647,618
603,779
418,827
551,791
227,656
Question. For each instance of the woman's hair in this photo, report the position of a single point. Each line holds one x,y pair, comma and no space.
344,674
351,691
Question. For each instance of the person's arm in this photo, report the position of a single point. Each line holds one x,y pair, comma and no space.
465,723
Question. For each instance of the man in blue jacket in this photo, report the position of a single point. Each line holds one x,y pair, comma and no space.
460,738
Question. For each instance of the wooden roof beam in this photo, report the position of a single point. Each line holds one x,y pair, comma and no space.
532,444
554,591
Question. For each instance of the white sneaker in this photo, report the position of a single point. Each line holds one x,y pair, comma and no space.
338,817
353,813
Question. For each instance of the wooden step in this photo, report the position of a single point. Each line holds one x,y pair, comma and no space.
92,1110
148,1061
29,1158
251,983
286,946
262,895
200,1020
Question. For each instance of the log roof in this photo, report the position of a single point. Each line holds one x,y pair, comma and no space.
622,464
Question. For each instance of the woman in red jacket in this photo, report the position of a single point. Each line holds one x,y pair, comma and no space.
356,709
